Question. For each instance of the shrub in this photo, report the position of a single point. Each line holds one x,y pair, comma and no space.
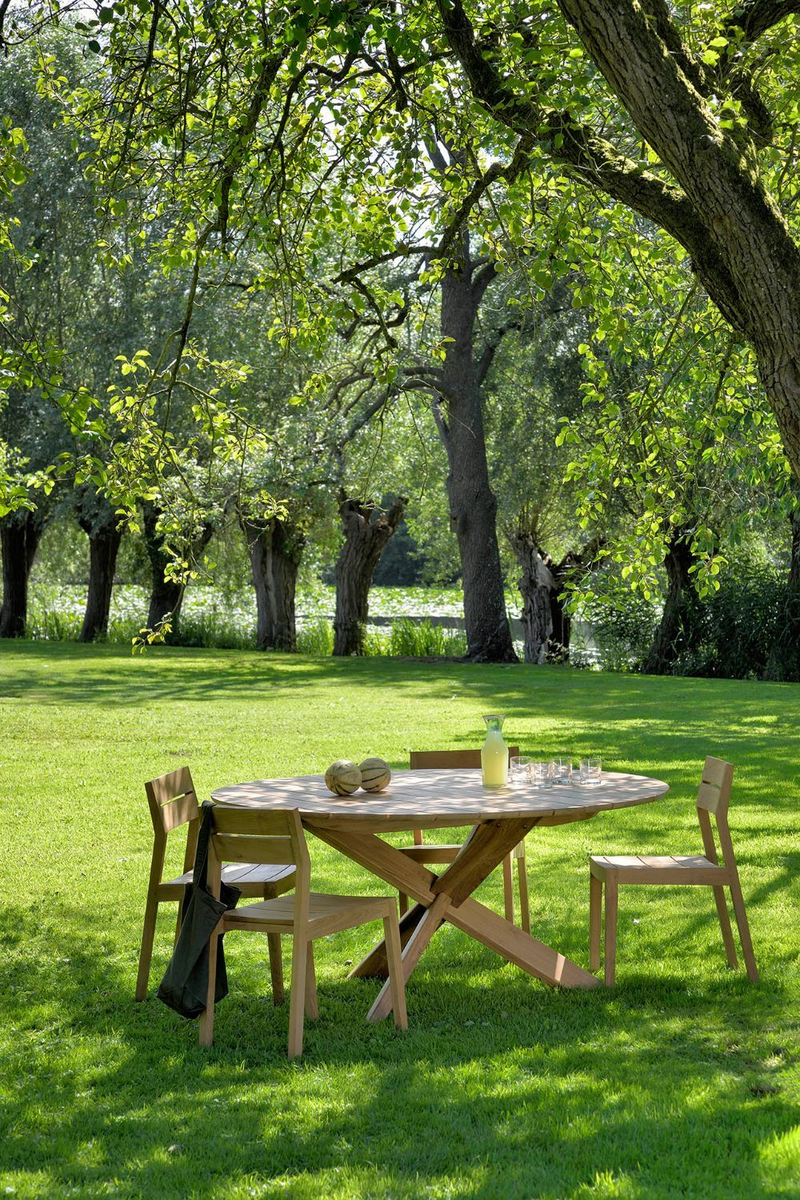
622,628
422,639
742,625
46,624
315,638
213,630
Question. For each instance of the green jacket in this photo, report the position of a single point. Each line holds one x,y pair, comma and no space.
185,983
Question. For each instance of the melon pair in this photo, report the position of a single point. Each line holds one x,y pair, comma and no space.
344,777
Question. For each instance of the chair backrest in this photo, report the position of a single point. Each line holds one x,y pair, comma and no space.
454,760
714,797
421,760
256,835
173,802
715,787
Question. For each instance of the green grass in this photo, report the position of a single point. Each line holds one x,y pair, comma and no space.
682,1081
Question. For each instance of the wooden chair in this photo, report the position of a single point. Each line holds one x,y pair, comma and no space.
249,834
173,803
695,869
429,854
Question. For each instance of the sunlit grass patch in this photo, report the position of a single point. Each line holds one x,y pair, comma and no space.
682,1081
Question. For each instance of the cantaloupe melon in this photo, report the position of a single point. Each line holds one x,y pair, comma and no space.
375,774
342,777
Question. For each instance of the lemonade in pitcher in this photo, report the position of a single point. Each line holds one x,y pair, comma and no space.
494,755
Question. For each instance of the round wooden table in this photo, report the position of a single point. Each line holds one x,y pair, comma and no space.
500,818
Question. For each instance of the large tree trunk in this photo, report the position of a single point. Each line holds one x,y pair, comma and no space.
536,586
752,268
678,629
104,540
794,560
275,550
366,534
473,505
20,534
166,595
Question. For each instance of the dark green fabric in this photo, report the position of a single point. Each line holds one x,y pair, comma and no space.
185,983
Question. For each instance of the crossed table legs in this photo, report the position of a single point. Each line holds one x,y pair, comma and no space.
448,897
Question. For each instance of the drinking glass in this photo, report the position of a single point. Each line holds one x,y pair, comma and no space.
591,771
561,769
541,774
519,770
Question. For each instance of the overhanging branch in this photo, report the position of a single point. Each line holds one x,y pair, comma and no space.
592,158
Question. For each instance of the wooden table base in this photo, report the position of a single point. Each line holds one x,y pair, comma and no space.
448,897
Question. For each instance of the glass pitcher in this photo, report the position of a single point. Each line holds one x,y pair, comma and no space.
494,755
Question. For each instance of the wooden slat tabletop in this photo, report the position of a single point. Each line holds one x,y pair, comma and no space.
440,798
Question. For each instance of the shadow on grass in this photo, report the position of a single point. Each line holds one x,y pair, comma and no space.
501,1087
649,724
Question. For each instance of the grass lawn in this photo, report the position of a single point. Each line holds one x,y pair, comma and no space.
682,1081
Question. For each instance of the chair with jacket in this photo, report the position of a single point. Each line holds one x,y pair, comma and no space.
173,803
276,837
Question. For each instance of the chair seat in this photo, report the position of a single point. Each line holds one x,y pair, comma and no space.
663,868
326,914
250,878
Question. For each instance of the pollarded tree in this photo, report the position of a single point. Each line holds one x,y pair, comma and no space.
104,528
71,299
45,266
367,531
34,429
534,386
682,441
29,355
315,401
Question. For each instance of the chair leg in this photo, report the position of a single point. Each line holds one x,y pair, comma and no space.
394,959
402,900
311,1006
297,995
725,926
744,928
595,921
524,899
207,1018
178,923
612,892
508,889
146,952
276,967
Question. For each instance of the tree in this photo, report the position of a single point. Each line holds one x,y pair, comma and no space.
171,565
20,534
534,389
715,180
104,529
366,533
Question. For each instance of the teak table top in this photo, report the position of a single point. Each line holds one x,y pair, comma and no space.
440,798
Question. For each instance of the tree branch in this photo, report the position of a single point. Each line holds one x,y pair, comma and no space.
755,17
593,159
401,250
497,170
